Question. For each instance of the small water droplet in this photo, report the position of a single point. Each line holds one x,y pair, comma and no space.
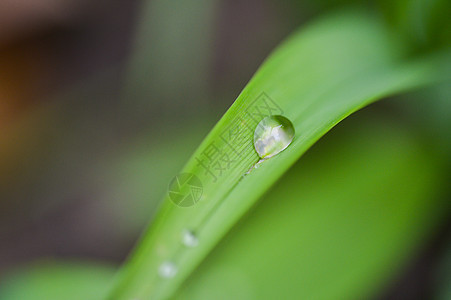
189,239
272,135
167,269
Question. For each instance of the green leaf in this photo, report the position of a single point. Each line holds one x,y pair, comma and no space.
316,78
334,226
52,280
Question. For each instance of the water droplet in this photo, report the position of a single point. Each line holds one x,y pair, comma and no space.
272,135
167,269
189,239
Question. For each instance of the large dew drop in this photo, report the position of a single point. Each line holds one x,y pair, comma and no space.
272,135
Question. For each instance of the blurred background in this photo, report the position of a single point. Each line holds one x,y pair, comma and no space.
102,102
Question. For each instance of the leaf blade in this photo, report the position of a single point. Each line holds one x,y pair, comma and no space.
311,84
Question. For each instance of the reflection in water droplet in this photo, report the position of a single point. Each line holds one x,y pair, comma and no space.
167,269
189,239
272,135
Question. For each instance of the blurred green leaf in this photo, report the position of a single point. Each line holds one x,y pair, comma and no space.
423,22
171,48
51,280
